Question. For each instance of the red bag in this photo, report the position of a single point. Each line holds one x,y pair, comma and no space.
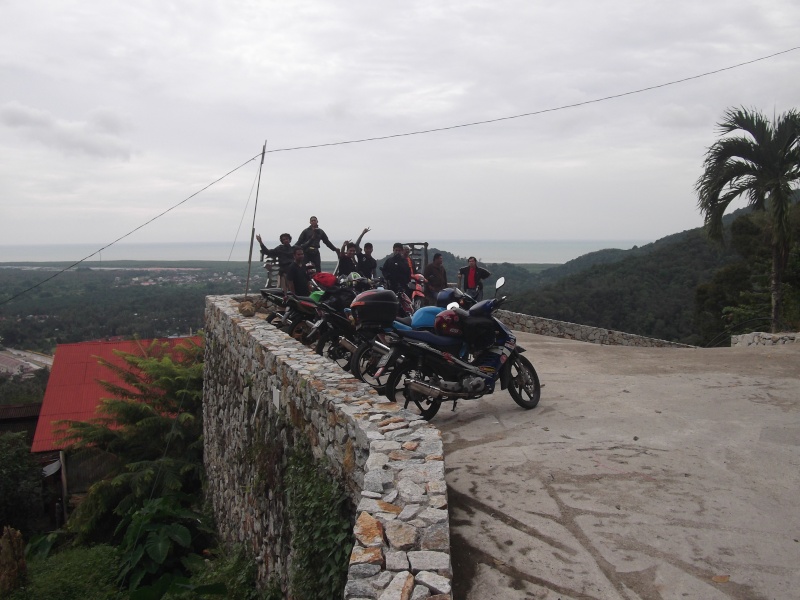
325,280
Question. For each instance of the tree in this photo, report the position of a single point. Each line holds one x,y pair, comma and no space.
763,165
150,432
20,483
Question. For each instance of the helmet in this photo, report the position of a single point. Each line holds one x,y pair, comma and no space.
354,276
448,322
448,295
325,280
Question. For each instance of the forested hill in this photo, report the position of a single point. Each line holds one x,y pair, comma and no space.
650,293
653,290
613,255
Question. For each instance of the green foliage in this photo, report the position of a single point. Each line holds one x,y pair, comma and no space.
321,529
649,293
151,433
233,570
20,483
89,304
761,163
738,297
159,543
17,389
73,574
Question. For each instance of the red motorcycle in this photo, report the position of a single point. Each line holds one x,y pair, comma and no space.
417,287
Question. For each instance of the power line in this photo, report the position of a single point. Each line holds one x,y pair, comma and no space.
419,132
539,112
132,231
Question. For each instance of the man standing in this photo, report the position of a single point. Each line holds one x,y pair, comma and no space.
437,278
367,265
396,270
296,275
284,253
310,239
471,278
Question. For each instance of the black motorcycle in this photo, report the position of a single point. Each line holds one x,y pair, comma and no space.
424,373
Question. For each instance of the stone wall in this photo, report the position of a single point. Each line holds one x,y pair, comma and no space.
758,338
582,333
263,391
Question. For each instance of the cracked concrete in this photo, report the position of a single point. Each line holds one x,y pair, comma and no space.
644,473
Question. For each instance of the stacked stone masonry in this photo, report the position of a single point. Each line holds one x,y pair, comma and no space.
759,338
582,333
259,383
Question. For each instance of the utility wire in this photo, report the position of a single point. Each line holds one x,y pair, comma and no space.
419,132
132,231
539,112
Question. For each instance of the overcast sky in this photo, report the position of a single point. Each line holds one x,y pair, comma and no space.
111,112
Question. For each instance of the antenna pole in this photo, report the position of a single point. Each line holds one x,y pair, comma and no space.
253,229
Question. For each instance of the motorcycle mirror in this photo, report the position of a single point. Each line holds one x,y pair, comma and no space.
500,283
452,305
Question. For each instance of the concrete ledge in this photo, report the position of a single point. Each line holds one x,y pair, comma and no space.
581,333
262,391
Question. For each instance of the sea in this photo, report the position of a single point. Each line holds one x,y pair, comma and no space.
486,251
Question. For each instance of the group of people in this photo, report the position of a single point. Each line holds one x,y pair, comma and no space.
397,269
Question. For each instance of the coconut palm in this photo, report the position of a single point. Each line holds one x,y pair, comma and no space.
763,164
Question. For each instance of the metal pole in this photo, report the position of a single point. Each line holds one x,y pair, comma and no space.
253,229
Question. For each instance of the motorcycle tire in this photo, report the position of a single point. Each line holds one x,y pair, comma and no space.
328,346
363,365
523,383
300,331
424,406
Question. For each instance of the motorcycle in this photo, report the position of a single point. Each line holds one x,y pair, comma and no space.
417,287
372,315
424,374
338,337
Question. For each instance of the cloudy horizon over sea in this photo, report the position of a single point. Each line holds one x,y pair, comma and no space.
489,251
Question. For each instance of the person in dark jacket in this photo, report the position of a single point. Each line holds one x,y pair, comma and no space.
347,260
297,280
437,279
310,239
283,252
396,270
470,278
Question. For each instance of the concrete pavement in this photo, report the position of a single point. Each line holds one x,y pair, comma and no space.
644,473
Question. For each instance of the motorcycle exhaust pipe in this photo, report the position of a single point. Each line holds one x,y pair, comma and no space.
347,345
429,390
381,348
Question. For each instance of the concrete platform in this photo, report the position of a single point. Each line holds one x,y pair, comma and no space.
644,473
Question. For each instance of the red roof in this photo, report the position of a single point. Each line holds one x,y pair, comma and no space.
72,389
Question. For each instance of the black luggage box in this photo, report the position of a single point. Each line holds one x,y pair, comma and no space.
375,308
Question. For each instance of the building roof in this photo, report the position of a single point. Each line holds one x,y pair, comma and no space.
9,412
73,392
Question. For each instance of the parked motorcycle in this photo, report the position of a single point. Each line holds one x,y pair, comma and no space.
425,373
417,287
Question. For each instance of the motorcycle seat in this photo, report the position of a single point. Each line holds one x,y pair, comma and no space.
431,338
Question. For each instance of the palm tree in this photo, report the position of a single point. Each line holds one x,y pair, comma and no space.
763,164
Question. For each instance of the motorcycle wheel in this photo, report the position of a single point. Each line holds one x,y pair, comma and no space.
363,365
425,406
523,384
328,346
300,331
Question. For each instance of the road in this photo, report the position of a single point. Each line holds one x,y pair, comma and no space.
644,473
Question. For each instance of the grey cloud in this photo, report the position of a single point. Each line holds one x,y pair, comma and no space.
98,136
